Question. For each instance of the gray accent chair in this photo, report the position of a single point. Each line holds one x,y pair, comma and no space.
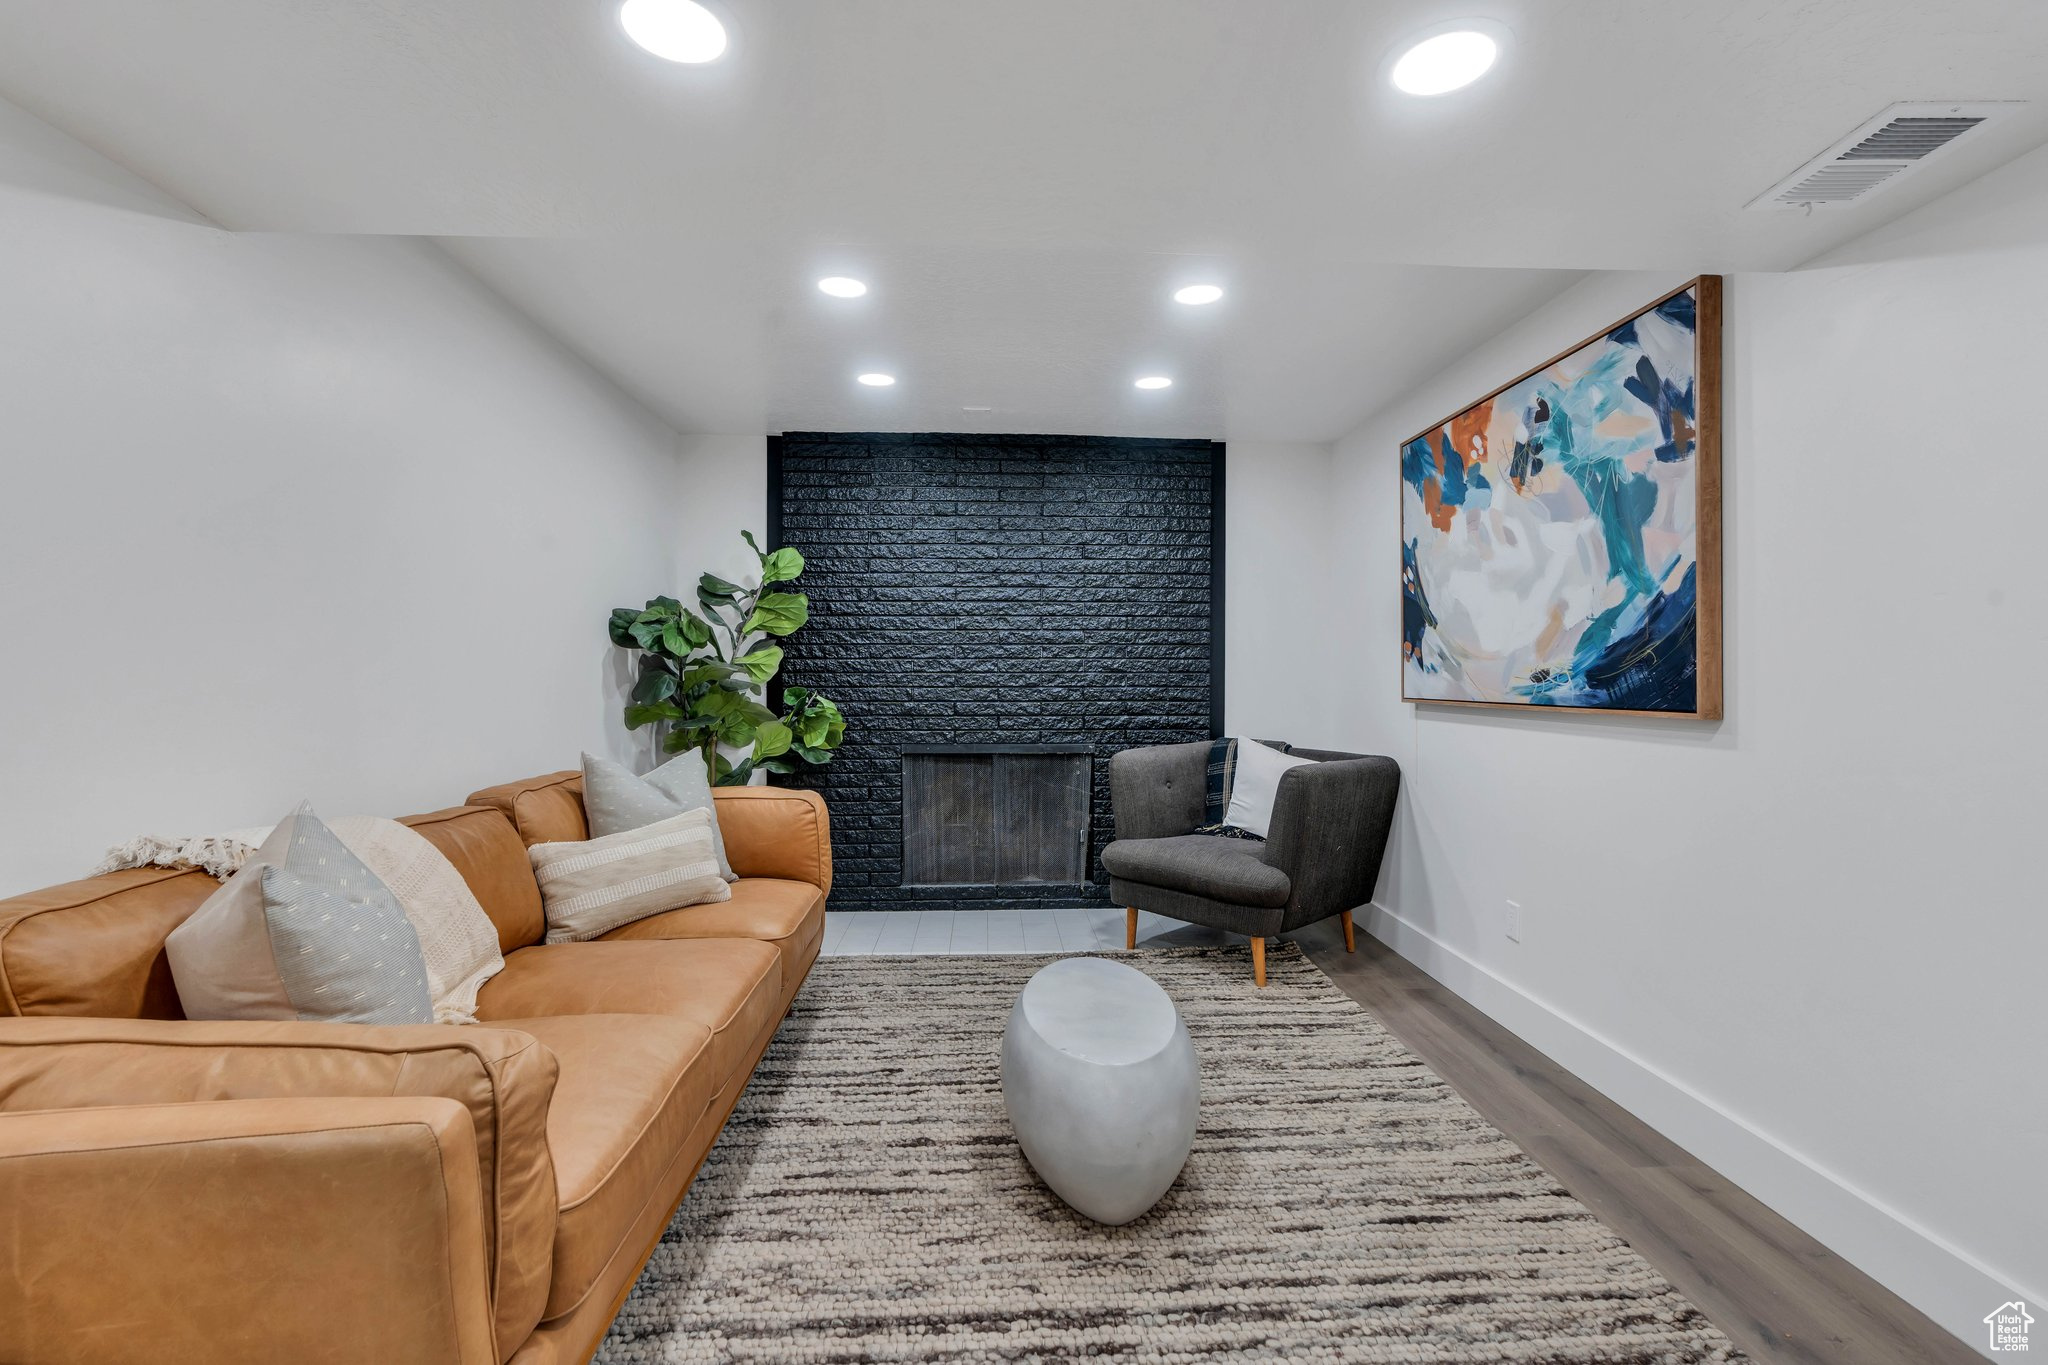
1321,856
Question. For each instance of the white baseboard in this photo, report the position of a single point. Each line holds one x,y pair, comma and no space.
1939,1279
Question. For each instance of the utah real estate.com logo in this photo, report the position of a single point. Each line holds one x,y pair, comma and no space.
2008,1324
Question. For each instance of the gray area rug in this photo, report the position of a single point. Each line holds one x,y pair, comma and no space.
868,1202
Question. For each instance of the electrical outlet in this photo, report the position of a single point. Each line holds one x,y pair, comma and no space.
1515,921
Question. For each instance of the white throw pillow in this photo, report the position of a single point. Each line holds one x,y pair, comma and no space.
309,929
1256,784
590,888
221,958
615,800
456,935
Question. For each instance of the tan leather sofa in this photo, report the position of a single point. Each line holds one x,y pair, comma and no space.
174,1191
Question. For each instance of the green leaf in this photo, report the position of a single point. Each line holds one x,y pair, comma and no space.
647,713
718,587
771,740
715,591
738,774
776,765
752,544
646,633
812,728
685,634
723,704
810,753
687,733
621,626
667,606
715,671
779,613
761,662
734,729
656,684
783,565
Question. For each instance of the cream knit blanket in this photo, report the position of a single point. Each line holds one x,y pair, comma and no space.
220,856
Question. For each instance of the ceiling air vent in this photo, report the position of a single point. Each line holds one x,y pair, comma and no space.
1877,154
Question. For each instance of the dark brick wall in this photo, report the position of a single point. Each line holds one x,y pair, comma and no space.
995,589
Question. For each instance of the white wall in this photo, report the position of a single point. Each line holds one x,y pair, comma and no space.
1276,610
1806,942
724,491
288,517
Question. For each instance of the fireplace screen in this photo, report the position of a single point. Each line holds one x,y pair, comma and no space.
998,815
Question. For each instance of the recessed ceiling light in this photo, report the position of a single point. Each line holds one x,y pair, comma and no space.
1155,381
840,287
975,409
877,381
1198,293
1447,62
679,30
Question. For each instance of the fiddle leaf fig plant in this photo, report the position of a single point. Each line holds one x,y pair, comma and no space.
704,674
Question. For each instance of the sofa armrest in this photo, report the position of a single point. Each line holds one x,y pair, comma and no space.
781,832
1159,791
1329,833
503,1080
256,1231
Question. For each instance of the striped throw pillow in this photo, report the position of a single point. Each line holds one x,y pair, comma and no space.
591,888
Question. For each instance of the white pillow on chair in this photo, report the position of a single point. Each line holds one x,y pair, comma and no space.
1256,784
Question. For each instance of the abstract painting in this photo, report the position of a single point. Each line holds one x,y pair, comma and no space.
1560,538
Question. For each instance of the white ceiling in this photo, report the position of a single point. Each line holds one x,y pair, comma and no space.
1050,340
1023,181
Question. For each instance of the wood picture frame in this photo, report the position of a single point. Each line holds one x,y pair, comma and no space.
1648,598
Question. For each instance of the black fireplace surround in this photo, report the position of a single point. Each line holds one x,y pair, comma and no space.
996,615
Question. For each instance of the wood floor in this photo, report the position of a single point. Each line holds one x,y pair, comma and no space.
1781,1296
1777,1293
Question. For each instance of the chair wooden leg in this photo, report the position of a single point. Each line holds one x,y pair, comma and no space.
1259,962
1131,926
1350,939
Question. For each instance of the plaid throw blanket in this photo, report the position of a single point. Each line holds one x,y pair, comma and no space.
1222,770
1216,795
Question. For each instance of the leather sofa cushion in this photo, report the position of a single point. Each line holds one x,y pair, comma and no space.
631,1088
488,853
244,1232
779,832
96,948
504,1079
545,810
789,916
1207,865
732,987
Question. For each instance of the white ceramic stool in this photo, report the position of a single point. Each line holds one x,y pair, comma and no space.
1101,1084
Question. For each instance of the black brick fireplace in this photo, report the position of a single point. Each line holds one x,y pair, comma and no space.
996,615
